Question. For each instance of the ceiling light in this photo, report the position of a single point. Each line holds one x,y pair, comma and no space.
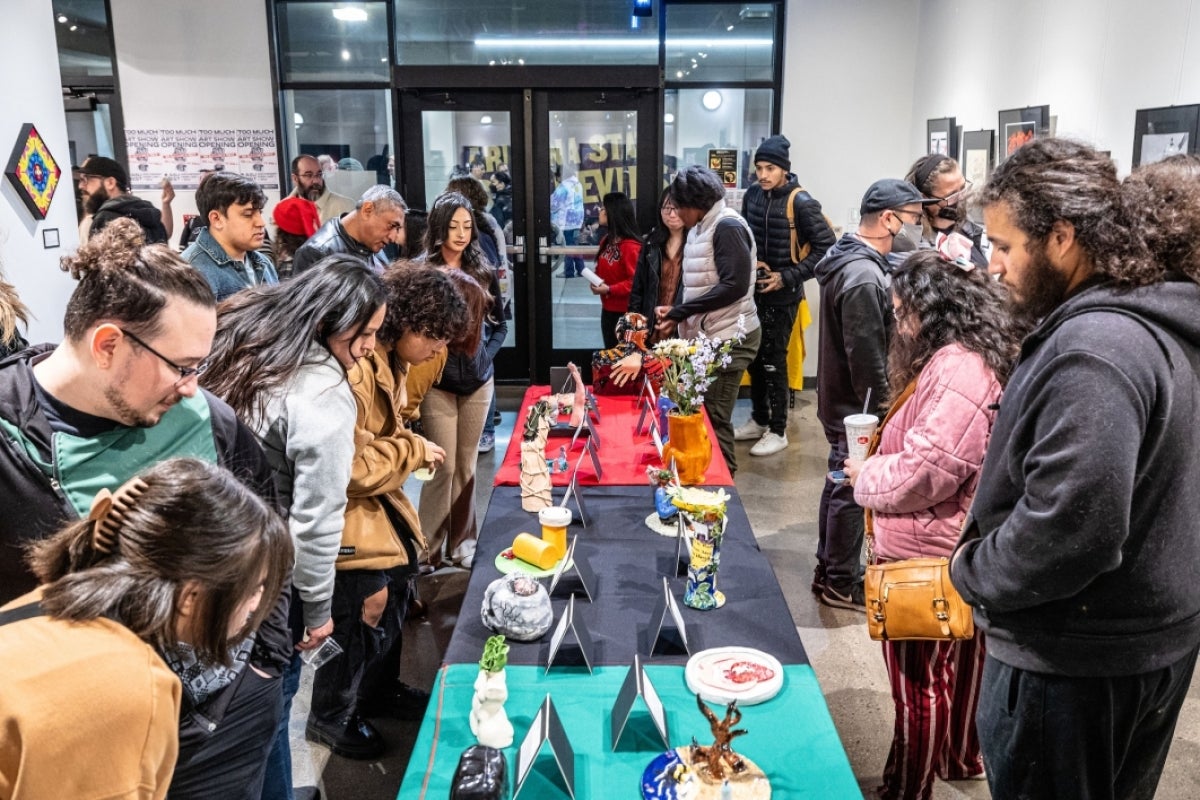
711,99
73,28
729,28
669,118
679,74
486,119
350,14
296,118
62,18
627,43
345,55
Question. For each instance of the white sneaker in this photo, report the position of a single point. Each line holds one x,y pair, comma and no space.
769,444
749,431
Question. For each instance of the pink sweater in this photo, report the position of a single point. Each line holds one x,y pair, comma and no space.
922,480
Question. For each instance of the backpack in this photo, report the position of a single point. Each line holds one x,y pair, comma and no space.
799,252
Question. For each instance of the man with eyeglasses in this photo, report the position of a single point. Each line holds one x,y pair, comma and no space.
377,221
104,186
308,181
855,325
946,191
118,395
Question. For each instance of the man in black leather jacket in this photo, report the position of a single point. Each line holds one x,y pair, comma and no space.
377,221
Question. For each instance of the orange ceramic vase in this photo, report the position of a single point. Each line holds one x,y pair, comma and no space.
689,445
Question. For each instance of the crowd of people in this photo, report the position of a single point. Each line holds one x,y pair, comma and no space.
212,463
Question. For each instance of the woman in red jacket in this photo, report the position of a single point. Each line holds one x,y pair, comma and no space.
616,262
952,348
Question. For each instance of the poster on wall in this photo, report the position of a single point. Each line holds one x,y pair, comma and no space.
940,138
1020,126
185,155
724,162
1160,133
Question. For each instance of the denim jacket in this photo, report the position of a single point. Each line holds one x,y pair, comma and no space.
225,275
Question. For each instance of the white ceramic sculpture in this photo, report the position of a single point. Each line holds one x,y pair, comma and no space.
518,607
489,723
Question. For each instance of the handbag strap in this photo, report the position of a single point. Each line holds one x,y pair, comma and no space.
872,448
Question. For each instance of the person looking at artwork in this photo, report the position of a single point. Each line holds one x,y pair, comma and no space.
308,183
616,261
718,290
1078,552
952,349
377,221
104,185
297,220
779,284
172,568
226,250
855,326
281,358
941,182
454,410
656,278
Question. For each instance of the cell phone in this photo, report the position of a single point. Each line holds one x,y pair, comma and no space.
839,477
762,273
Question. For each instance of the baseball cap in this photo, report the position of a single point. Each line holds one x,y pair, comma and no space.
103,167
890,193
297,216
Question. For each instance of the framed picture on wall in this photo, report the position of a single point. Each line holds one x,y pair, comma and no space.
1162,132
940,137
978,156
1020,126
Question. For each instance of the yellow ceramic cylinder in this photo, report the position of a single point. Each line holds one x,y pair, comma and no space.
535,551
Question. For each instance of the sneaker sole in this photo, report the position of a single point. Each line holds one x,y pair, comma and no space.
837,602
748,437
754,451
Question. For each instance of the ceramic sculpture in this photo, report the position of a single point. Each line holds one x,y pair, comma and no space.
535,473
517,607
488,721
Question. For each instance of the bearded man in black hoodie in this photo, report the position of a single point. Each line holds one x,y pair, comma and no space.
1079,553
104,185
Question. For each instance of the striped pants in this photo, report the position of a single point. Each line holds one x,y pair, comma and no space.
935,688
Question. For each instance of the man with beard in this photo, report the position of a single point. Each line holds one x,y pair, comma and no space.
942,183
309,182
226,249
118,395
1078,554
855,326
104,186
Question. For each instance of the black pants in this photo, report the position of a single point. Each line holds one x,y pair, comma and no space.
769,370
608,327
1050,736
370,662
839,523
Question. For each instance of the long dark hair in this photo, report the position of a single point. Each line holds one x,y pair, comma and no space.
948,306
263,333
622,224
192,522
660,234
439,230
1167,195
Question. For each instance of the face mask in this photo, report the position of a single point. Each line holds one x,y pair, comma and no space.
913,233
952,213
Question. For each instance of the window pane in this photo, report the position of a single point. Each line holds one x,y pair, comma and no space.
499,33
353,127
81,27
333,41
739,121
711,43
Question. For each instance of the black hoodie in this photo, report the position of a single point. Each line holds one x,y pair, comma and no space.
137,209
1080,552
855,325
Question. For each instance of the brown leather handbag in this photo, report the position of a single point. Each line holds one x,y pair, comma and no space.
912,598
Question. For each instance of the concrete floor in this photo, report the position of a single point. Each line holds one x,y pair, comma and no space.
781,494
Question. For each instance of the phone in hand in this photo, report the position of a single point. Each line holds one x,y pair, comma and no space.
839,477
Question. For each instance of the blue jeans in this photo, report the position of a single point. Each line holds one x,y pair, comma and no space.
277,784
572,265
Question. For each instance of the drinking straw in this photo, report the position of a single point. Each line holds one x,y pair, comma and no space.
867,402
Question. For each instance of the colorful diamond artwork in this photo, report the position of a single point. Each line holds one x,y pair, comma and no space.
33,171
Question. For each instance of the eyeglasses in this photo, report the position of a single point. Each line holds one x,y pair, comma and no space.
84,177
953,196
184,372
918,215
308,176
667,209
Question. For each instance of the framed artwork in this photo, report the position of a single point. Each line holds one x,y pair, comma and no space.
978,155
940,137
33,172
1162,132
1020,126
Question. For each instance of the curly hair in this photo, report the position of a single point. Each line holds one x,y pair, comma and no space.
122,278
1167,193
697,187
422,300
949,306
264,332
1059,180
193,522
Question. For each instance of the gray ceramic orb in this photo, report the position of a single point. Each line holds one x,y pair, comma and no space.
518,607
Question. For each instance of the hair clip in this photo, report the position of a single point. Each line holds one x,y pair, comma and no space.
108,513
954,248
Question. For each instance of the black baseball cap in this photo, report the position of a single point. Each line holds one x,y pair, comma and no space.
103,167
890,193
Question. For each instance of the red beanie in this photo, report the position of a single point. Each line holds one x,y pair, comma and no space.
297,216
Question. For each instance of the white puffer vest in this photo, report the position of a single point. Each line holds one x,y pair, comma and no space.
700,275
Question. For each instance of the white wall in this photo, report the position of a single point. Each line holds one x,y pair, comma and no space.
849,67
33,94
1095,62
186,65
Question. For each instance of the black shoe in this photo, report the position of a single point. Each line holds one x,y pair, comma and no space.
356,738
851,597
497,419
403,702
818,581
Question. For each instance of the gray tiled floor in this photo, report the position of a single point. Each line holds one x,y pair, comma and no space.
781,494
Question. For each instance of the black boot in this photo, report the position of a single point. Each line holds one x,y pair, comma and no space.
353,738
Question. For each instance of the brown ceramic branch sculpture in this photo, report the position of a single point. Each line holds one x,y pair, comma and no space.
535,474
720,755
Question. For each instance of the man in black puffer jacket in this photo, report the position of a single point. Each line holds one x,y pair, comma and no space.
779,287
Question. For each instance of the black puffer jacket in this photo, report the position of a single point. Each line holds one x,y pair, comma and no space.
138,210
767,214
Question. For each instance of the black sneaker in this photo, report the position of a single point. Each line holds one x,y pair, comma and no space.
818,581
355,738
851,598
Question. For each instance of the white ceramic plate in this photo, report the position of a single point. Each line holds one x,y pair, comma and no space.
724,674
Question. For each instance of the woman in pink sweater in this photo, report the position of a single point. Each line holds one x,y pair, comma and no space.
951,351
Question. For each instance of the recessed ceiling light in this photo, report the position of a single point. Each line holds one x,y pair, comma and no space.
711,99
297,119
345,55
669,118
486,119
729,28
350,14
73,28
62,18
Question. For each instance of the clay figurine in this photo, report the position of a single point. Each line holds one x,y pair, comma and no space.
535,473
579,407
480,774
518,607
719,755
